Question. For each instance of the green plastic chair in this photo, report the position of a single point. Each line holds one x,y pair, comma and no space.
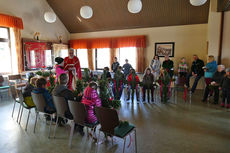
110,125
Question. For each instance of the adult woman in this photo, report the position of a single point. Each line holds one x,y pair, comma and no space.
210,69
156,66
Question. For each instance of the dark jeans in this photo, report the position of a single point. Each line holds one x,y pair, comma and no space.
117,96
195,82
216,93
148,89
183,74
226,95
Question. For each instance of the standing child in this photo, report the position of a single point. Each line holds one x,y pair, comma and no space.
59,67
133,81
148,84
118,84
183,68
225,86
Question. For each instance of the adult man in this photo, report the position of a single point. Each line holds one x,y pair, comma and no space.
168,65
126,68
115,65
61,90
196,71
72,64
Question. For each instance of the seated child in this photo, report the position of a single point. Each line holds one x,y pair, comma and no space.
148,83
133,81
183,68
27,91
215,83
225,86
118,83
41,89
91,99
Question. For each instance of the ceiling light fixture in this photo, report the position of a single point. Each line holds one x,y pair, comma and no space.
134,6
198,2
86,12
50,17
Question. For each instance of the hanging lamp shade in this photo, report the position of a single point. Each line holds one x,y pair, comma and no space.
134,6
50,17
86,12
198,2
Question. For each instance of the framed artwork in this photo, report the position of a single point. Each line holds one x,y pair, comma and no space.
164,48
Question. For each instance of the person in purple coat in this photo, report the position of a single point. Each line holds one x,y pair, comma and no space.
91,100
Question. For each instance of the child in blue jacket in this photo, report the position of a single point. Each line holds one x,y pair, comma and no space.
41,89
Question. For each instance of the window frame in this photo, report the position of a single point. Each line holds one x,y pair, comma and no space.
9,43
96,59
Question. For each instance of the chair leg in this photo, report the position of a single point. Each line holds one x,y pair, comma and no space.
19,112
56,126
21,115
98,141
135,141
13,109
124,145
71,134
35,121
27,120
50,126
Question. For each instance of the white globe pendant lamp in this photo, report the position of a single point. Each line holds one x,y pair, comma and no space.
50,17
198,2
134,6
86,12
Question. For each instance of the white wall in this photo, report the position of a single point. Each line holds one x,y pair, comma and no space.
32,14
189,39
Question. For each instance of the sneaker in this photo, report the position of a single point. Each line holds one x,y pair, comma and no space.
222,105
228,106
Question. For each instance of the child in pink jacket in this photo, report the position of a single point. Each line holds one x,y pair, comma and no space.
59,67
91,100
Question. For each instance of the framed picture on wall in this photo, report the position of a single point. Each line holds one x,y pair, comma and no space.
164,48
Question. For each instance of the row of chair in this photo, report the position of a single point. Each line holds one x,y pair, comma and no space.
108,118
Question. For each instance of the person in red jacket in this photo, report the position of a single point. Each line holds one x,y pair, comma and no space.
72,65
133,81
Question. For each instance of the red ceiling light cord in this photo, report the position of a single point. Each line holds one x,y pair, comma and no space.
10,21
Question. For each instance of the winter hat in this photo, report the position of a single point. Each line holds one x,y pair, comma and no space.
59,60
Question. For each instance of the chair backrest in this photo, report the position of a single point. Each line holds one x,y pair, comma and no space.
20,96
78,111
39,101
108,119
13,92
15,77
60,105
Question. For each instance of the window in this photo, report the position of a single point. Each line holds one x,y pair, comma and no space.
48,58
83,57
102,58
128,53
5,53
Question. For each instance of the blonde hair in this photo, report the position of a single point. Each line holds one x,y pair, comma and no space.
33,81
211,58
